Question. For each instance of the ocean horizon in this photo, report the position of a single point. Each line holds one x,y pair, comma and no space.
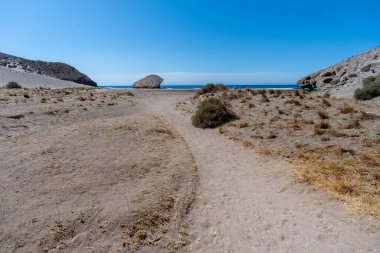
199,86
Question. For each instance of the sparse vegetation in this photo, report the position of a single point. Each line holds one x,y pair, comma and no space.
211,88
366,68
326,102
324,125
323,130
17,116
212,113
346,108
352,75
323,115
354,180
13,85
370,89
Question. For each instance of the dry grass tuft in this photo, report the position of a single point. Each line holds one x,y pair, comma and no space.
265,150
353,124
248,144
367,116
16,116
323,115
326,102
324,125
346,108
294,101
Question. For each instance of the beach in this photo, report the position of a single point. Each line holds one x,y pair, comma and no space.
89,170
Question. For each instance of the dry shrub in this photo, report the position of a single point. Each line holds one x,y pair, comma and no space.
318,131
13,85
243,125
211,88
163,130
326,102
327,94
278,92
353,124
336,133
295,124
367,116
368,142
346,108
294,101
253,92
324,125
248,144
212,113
323,115
265,150
16,116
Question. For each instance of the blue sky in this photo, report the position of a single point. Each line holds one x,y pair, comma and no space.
190,41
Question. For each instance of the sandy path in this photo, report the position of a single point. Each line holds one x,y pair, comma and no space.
251,204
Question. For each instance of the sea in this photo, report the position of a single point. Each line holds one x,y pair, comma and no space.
230,86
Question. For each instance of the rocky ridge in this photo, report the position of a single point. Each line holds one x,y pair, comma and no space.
345,77
56,70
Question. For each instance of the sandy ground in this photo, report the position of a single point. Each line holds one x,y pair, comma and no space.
29,80
245,202
75,180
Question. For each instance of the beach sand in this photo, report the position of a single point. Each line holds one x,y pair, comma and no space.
76,165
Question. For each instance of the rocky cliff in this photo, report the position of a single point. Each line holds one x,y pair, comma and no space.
56,70
345,77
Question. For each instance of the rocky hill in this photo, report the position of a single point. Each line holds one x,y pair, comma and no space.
345,77
56,70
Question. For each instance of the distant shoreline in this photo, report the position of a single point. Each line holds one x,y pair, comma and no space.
197,87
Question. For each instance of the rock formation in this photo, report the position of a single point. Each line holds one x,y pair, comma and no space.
56,70
344,78
149,82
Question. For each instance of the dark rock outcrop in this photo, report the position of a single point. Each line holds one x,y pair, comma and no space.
345,77
149,82
56,70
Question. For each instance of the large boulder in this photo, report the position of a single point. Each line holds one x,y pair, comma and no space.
149,82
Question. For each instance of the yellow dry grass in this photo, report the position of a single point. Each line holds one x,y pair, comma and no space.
355,180
265,150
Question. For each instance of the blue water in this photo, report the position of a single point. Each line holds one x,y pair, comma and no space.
196,87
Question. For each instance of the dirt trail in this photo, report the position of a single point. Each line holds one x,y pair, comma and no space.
248,203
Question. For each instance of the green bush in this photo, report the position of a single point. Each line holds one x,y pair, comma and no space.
370,89
212,113
13,85
352,75
367,68
211,88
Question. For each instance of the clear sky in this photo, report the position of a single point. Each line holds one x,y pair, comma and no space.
190,41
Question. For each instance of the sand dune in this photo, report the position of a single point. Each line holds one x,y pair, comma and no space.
29,80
